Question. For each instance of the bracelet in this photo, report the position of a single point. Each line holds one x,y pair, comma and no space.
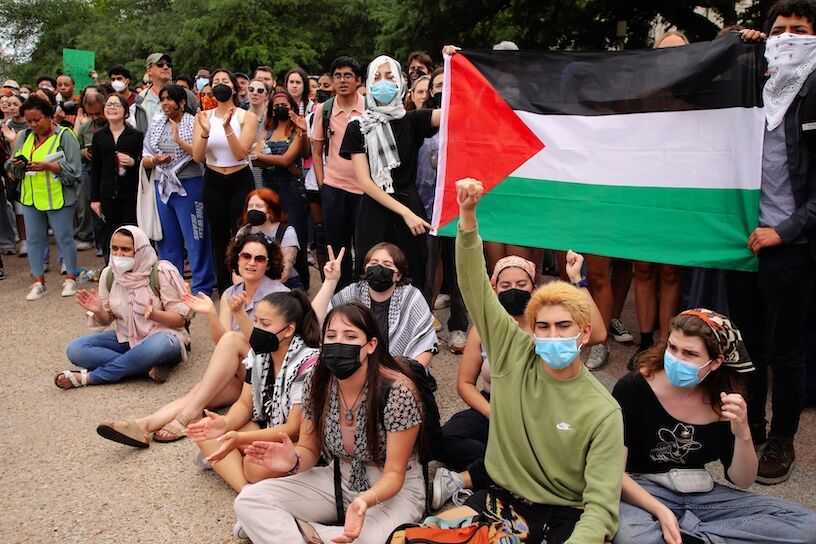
228,134
583,282
376,498
296,468
205,137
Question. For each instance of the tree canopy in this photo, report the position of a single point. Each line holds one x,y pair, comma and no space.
242,34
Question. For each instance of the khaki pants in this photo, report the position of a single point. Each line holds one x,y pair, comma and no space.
267,509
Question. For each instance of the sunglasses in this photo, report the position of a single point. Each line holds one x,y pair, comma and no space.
257,90
260,259
163,63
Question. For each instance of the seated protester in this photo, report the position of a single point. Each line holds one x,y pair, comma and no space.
683,408
168,148
556,434
141,298
383,144
465,434
263,215
361,411
283,346
259,264
400,309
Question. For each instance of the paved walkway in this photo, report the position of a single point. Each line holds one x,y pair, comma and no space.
62,483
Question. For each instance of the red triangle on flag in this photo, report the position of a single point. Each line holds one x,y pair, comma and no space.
485,139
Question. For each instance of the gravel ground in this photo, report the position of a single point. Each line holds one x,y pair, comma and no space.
68,485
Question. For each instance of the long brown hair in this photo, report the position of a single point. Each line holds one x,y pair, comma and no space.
722,379
359,316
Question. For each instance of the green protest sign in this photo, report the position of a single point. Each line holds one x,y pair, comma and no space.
79,64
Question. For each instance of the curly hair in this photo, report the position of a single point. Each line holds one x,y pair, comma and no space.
273,254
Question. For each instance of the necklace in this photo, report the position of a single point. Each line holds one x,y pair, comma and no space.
350,411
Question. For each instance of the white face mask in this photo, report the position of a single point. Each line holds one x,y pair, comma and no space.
122,264
24,96
118,86
791,59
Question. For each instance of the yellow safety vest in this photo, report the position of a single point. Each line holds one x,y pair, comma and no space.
41,189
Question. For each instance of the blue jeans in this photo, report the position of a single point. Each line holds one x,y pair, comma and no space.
339,220
110,361
293,203
723,515
62,222
184,224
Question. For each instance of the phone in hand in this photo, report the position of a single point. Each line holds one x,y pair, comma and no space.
22,158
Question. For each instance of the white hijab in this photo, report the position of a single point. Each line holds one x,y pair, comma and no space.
380,145
791,59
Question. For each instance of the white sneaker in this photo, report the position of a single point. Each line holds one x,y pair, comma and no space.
22,250
238,531
446,485
619,331
442,301
458,339
38,290
84,246
201,462
598,356
69,288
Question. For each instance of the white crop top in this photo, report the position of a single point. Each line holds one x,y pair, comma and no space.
218,148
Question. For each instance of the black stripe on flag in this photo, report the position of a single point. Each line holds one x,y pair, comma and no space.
723,73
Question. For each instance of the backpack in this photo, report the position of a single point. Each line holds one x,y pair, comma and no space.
326,114
429,441
481,529
153,279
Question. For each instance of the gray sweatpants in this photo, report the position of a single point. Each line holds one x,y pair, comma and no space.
267,509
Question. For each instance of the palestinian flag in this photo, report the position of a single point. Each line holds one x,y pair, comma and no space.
652,155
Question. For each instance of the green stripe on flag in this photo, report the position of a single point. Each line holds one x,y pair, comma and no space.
682,226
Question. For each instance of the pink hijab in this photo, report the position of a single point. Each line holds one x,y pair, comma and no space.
137,284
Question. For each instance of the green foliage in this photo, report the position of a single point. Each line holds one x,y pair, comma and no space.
242,34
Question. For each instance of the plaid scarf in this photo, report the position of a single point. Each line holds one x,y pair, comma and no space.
167,174
380,144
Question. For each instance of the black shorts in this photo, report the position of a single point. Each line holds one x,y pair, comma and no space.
533,523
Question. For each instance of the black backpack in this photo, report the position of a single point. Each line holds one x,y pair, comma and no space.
429,442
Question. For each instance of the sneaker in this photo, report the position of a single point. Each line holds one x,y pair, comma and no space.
84,246
201,462
619,331
311,260
777,461
633,361
448,485
442,301
437,325
238,531
598,356
38,290
46,267
457,342
22,251
159,373
69,288
99,252
63,270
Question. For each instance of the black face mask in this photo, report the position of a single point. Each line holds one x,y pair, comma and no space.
221,92
256,218
342,360
263,342
514,300
280,113
322,95
379,277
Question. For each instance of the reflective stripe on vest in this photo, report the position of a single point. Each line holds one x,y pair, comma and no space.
41,189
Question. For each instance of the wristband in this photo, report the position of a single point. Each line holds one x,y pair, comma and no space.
296,468
376,498
583,282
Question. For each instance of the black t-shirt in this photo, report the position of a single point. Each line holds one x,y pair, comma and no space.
410,133
380,310
658,442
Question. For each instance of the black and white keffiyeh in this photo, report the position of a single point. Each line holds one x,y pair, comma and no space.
380,144
167,174
791,59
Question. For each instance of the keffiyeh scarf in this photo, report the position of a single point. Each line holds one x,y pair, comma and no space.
167,174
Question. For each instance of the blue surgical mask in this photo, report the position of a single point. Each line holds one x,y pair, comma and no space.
383,92
681,373
557,353
201,83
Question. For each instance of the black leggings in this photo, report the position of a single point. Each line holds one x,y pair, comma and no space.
224,197
464,440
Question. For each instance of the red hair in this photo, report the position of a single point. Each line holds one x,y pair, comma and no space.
272,201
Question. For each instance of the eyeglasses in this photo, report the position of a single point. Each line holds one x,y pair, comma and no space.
348,76
260,259
163,63
257,90
114,106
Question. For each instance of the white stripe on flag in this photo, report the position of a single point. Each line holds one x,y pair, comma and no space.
719,148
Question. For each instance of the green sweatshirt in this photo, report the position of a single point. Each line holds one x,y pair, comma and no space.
554,442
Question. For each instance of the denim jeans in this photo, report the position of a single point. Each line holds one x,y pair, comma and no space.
723,515
293,203
62,222
110,360
184,224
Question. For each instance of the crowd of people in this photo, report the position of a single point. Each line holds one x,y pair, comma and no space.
211,196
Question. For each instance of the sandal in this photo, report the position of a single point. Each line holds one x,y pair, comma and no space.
83,378
127,433
174,433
